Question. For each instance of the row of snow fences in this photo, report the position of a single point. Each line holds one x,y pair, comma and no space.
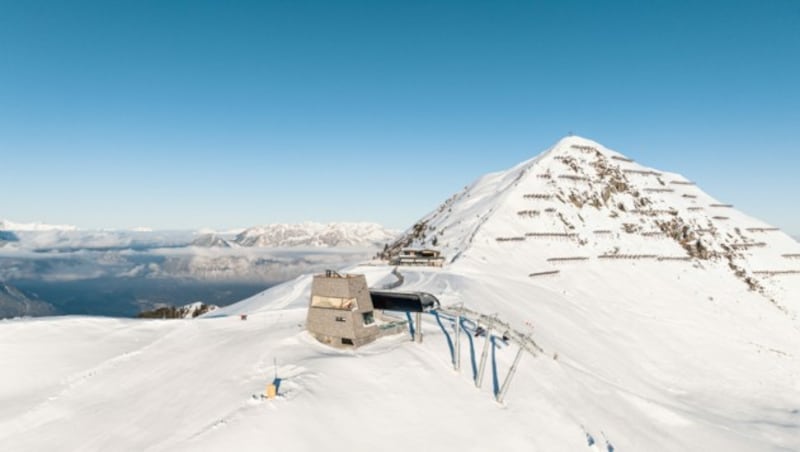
565,235
776,272
762,229
528,213
659,190
689,196
653,234
654,212
706,231
567,259
547,273
791,256
510,239
574,177
742,246
544,176
644,256
681,182
623,257
627,256
584,148
537,196
610,256
602,231
621,159
641,172
720,218
695,209
721,205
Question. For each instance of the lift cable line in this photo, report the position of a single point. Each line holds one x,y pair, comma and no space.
484,325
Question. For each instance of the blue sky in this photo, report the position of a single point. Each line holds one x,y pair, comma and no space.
222,114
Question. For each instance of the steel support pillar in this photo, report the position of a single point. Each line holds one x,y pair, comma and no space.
419,327
457,357
507,381
484,354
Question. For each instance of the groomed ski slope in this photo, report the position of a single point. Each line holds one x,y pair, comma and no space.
639,354
659,374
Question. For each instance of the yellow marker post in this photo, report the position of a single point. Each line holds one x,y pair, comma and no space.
272,391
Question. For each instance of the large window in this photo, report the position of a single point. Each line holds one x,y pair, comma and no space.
369,318
348,304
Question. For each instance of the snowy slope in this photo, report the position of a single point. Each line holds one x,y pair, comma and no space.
639,353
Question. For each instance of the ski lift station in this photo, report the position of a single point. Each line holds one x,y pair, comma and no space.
423,257
344,312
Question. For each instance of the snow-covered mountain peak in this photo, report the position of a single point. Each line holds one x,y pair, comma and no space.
461,216
210,240
580,201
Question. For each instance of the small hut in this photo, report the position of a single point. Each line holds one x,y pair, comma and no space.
426,257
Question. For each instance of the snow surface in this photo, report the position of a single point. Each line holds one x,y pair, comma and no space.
639,354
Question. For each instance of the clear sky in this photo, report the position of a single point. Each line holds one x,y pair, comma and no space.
186,114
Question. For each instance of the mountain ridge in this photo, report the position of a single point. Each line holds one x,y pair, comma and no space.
315,235
589,202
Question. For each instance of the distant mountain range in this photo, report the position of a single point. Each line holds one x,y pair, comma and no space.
41,237
124,272
316,235
6,225
269,252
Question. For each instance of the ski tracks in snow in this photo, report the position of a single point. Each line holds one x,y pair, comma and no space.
47,410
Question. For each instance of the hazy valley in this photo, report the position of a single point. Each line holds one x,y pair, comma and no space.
63,270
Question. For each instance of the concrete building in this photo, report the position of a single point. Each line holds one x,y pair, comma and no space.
340,311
